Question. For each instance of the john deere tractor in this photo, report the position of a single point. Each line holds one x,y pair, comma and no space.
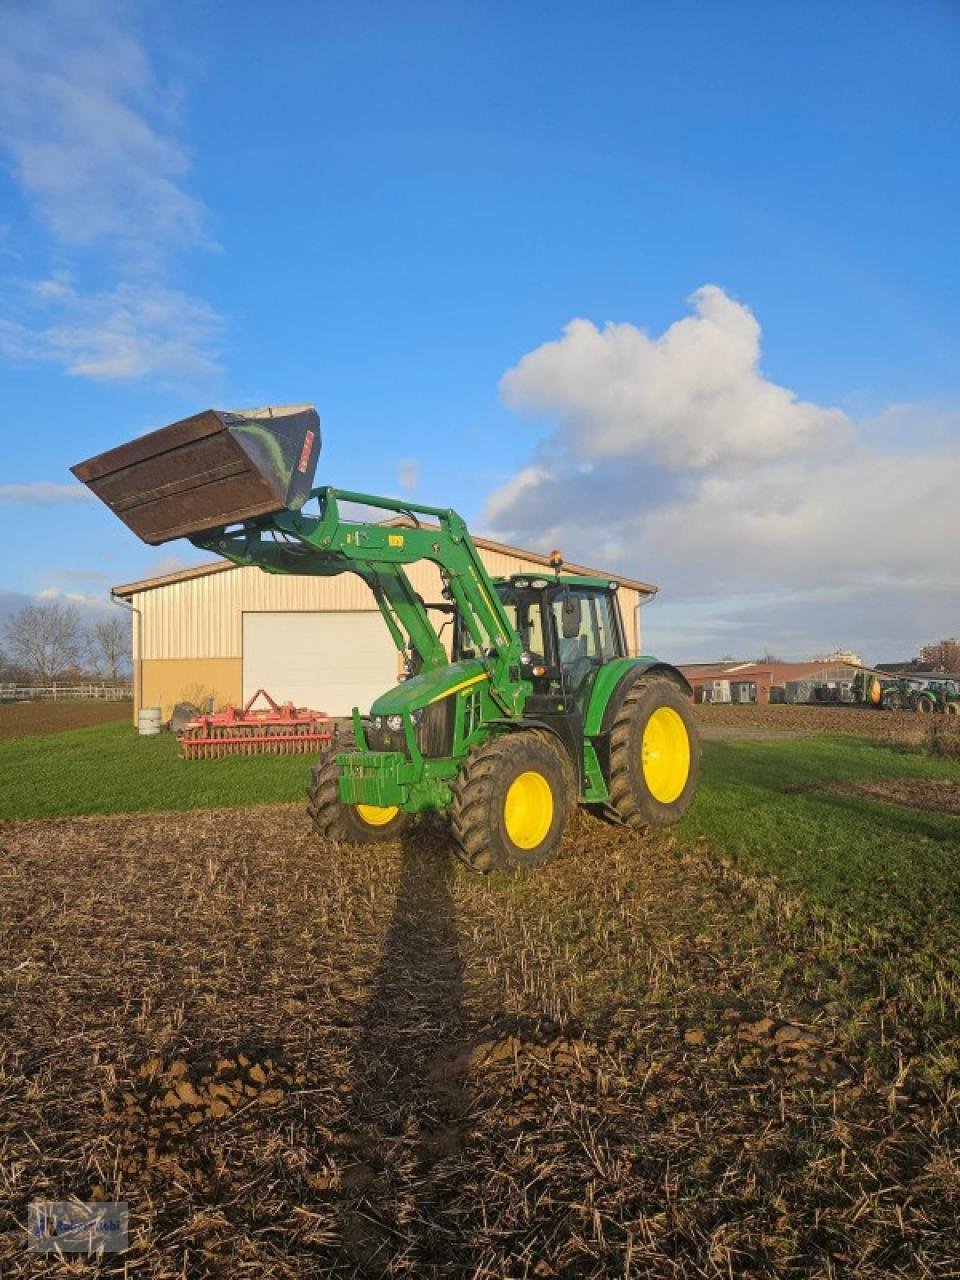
536,707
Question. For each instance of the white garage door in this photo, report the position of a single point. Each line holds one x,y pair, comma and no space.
332,662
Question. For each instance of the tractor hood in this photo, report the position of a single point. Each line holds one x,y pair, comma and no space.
431,686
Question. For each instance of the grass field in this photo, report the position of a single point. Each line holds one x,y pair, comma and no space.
728,1050
111,769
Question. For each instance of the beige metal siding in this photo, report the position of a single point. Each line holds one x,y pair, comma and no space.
202,617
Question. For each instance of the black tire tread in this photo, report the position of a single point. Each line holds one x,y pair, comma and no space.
624,801
469,810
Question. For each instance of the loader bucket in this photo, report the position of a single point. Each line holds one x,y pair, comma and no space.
216,468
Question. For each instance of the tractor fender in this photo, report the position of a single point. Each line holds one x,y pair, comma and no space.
614,681
515,725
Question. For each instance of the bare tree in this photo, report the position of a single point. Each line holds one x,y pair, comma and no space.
7,668
45,639
108,647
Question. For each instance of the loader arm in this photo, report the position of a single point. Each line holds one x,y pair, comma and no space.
325,544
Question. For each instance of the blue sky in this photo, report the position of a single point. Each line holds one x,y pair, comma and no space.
385,208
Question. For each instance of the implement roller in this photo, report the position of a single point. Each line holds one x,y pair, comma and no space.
277,731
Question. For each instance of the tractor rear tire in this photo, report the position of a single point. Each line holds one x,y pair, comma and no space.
925,704
654,755
511,801
347,823
952,708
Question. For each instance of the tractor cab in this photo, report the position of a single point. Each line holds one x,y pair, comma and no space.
569,626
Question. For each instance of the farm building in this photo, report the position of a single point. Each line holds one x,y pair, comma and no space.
221,631
771,681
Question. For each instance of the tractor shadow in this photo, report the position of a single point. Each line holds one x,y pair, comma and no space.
405,1115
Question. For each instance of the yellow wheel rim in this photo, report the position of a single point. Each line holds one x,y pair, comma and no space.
374,816
665,755
528,810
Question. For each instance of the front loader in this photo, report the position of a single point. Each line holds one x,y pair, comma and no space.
536,707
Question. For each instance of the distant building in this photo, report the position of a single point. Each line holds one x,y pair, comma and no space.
825,680
841,655
942,656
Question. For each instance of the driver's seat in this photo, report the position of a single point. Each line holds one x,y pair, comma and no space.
575,662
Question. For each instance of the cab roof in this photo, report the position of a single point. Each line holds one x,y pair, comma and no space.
562,580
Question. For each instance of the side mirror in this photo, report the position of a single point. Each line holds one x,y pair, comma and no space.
571,612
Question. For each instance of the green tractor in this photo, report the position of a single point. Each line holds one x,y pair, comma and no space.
536,707
936,694
922,693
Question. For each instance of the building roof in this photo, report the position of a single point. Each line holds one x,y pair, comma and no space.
484,544
776,672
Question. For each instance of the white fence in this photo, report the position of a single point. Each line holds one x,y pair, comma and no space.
64,692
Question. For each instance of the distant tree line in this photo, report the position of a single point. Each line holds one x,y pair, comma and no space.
49,643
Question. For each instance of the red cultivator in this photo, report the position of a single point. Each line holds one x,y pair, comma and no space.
276,731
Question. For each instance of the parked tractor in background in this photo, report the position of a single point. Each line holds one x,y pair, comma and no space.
537,707
926,694
936,694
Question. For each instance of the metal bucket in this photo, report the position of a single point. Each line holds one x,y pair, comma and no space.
216,468
148,721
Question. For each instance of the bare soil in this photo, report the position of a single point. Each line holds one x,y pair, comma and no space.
295,1060
720,720
19,719
935,797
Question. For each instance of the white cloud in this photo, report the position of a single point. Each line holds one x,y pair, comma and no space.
43,493
82,599
90,134
510,498
131,331
89,131
408,474
790,524
686,399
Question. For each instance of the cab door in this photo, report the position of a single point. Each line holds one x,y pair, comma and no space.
588,634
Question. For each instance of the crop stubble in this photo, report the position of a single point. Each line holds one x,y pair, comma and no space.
294,1060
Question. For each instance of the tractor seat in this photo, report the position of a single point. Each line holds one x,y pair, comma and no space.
576,664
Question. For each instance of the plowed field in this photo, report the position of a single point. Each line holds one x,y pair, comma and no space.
296,1060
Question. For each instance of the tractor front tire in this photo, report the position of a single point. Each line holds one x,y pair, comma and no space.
925,704
654,755
511,800
347,823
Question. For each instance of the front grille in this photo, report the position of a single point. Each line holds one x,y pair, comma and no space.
434,732
384,739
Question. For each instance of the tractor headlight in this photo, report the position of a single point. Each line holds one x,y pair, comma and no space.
377,721
394,723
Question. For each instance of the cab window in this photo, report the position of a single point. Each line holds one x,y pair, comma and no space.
598,638
526,619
